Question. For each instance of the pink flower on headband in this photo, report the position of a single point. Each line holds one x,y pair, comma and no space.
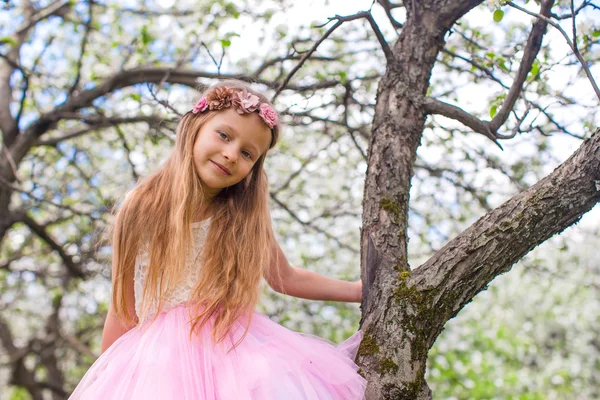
219,98
241,100
245,102
268,115
200,106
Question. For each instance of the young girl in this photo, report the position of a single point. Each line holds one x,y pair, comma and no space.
190,246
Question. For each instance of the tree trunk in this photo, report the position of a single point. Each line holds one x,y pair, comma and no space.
404,311
391,335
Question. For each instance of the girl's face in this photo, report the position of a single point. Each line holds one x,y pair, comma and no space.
227,147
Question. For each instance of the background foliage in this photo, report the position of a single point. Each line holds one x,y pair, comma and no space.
530,336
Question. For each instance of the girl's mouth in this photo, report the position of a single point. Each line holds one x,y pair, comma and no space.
220,168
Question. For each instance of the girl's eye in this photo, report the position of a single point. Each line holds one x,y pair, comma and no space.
247,155
223,135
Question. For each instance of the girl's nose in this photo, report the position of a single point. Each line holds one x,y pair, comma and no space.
230,155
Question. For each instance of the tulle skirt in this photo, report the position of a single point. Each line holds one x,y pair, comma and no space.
161,361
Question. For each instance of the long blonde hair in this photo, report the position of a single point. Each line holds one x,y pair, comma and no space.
161,208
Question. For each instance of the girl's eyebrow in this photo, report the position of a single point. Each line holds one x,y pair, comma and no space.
235,132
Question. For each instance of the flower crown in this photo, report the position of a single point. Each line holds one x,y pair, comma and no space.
244,102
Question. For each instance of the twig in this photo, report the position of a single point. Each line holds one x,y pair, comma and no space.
387,6
164,103
312,226
532,48
84,42
569,42
217,64
42,200
574,22
12,163
389,55
433,106
340,21
73,267
27,77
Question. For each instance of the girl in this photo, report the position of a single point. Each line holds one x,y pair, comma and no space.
190,246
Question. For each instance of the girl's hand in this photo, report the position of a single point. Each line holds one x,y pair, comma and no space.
357,291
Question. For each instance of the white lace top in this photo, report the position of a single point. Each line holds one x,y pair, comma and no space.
182,290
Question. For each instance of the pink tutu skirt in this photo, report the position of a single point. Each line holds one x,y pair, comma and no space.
161,361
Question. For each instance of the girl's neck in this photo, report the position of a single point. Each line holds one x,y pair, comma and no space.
203,213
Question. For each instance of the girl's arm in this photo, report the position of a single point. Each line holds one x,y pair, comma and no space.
298,282
113,327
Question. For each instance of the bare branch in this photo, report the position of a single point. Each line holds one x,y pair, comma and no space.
27,77
40,199
164,103
73,267
307,161
56,8
217,63
388,7
532,48
574,23
340,21
464,266
306,55
274,61
569,42
433,106
477,65
389,55
96,123
84,42
584,4
311,226
136,177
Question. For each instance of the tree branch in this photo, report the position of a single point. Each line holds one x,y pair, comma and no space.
56,8
388,7
312,226
433,106
490,129
73,267
468,263
569,42
82,47
389,55
120,80
532,48
100,123
340,20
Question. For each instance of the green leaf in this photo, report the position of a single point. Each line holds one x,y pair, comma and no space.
493,111
498,15
8,40
535,69
225,43
146,37
596,33
231,9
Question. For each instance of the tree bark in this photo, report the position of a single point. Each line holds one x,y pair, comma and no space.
392,356
468,263
404,311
